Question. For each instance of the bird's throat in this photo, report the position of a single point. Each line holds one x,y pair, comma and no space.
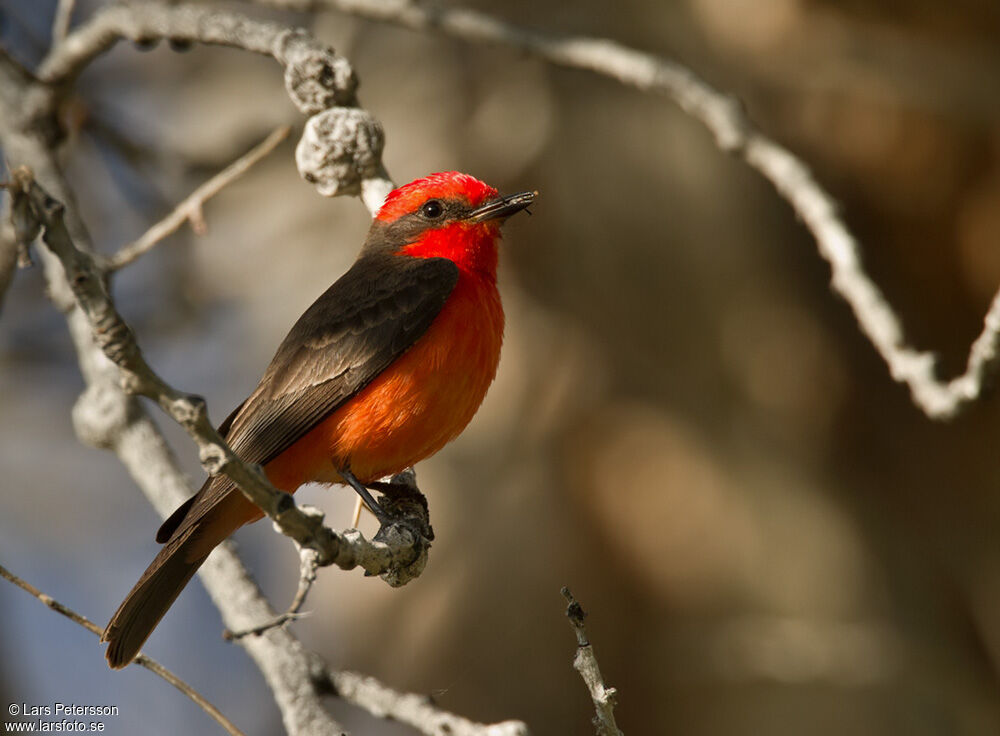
471,246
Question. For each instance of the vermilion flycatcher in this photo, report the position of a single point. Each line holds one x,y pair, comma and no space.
383,370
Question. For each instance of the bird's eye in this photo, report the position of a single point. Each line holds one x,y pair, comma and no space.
432,209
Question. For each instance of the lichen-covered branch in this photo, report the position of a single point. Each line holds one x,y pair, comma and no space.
585,662
142,660
734,133
105,416
320,83
317,78
405,541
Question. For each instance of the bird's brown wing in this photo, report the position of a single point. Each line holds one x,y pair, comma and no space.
368,318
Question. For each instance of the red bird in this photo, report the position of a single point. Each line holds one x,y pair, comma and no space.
383,370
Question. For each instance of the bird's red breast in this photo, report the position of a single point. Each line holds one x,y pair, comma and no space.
380,372
427,396
417,405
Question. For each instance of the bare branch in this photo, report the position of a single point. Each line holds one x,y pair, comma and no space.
50,602
317,78
9,258
585,662
400,550
417,711
104,416
320,83
308,566
62,19
916,368
150,664
190,209
725,118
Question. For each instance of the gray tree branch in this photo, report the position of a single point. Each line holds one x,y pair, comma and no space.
416,711
734,133
318,78
308,569
721,114
62,19
8,258
401,554
318,81
585,662
107,416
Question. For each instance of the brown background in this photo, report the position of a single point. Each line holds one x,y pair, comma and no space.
687,428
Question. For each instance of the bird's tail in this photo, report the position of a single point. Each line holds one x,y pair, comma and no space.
190,534
146,603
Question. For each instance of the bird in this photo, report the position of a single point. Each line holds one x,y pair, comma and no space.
385,368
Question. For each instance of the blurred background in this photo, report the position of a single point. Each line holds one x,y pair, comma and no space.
687,428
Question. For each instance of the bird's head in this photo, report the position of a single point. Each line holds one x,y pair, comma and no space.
447,215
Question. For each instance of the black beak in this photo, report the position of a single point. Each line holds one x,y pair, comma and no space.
502,207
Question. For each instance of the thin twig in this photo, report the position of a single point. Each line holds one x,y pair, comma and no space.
308,566
734,133
62,20
150,664
416,711
585,662
190,209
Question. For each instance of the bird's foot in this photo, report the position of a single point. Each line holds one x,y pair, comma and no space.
401,485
